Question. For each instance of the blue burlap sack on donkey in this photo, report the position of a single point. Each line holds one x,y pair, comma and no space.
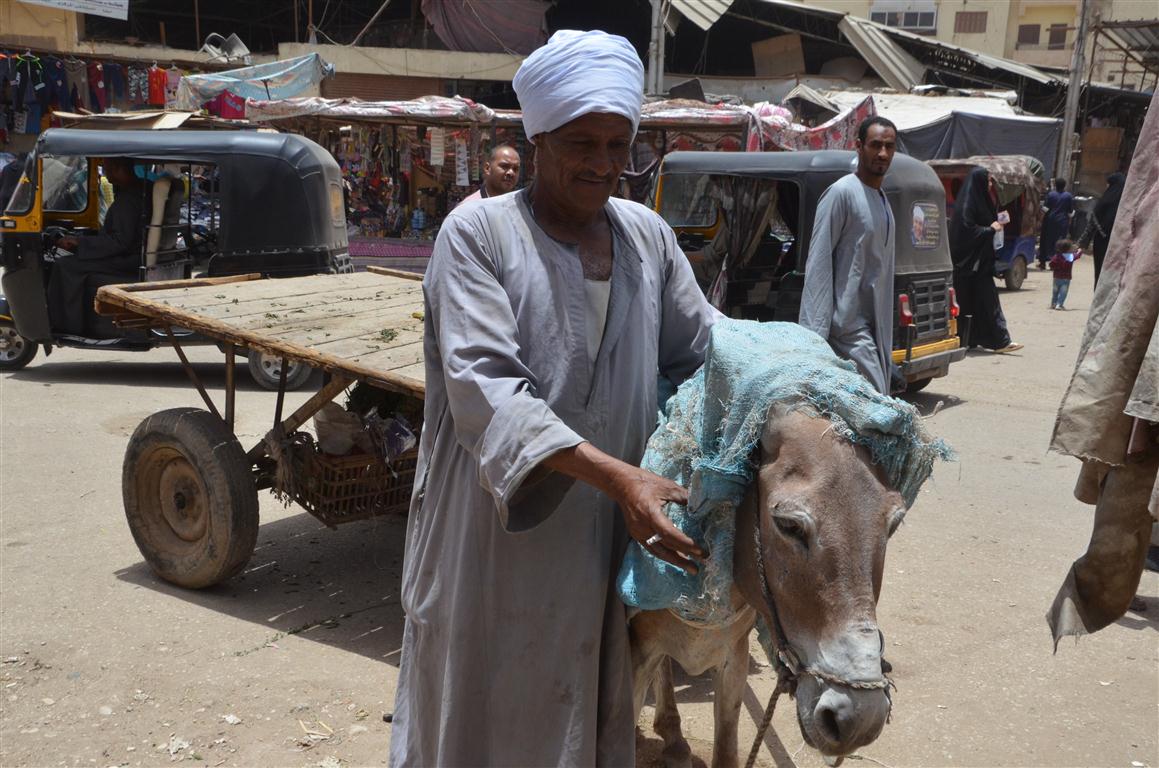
708,431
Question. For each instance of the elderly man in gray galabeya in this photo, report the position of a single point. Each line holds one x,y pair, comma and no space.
549,313
848,293
500,173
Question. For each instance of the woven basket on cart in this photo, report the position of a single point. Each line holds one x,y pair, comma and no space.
338,489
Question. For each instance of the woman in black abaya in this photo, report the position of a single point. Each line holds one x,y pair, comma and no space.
972,231
1103,220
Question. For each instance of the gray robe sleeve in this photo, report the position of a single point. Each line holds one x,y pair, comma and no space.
119,235
687,317
818,297
499,418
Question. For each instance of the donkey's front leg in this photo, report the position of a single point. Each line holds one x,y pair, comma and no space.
677,753
731,678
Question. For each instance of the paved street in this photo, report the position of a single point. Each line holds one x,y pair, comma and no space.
294,662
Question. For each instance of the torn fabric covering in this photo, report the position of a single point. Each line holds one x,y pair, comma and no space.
482,26
275,80
1109,413
714,421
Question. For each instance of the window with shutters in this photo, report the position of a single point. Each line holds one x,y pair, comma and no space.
921,22
1057,40
1028,35
970,22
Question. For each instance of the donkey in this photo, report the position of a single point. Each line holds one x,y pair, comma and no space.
811,535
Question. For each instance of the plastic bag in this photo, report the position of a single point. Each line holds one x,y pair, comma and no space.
339,431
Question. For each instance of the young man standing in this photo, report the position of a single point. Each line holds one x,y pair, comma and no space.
848,294
500,174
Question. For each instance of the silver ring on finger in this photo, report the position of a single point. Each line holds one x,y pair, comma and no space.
653,539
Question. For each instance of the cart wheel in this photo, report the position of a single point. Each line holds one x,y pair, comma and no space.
190,497
266,369
1016,275
15,350
917,386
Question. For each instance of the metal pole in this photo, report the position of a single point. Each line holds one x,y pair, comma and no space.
197,23
1062,162
655,62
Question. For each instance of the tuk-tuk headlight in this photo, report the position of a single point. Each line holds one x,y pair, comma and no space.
955,310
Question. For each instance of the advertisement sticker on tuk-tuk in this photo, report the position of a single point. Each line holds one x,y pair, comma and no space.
926,230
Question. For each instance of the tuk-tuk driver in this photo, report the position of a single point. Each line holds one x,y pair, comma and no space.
115,250
549,313
848,293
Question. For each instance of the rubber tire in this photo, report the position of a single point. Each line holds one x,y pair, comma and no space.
1016,275
194,451
917,386
23,355
296,377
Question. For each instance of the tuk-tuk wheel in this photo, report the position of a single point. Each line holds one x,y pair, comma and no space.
15,350
1016,275
266,370
190,497
917,386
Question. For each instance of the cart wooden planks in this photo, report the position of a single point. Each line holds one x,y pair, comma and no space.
190,488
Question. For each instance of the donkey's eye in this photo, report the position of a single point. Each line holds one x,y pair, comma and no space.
792,528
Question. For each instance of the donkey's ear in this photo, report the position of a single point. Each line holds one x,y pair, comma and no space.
771,434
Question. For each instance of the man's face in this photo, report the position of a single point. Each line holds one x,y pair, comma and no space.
118,172
579,163
501,172
876,153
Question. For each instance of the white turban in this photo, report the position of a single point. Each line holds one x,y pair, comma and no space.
575,74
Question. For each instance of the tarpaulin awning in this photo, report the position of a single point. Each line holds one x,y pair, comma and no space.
960,135
275,80
911,110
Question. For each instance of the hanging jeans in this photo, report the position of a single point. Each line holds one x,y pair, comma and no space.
1058,292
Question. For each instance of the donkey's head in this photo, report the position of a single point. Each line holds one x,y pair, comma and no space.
824,514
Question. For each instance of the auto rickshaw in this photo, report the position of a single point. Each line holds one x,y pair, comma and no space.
215,204
1021,185
744,220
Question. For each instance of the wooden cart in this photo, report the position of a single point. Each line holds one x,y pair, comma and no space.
190,488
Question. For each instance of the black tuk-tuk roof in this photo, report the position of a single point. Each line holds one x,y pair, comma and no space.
277,190
911,186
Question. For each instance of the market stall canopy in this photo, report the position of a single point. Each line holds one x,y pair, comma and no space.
1014,175
911,110
275,80
428,109
960,135
156,120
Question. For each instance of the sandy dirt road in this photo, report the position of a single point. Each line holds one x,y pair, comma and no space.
294,662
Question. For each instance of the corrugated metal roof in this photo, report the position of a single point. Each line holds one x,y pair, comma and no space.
897,68
1139,37
985,59
702,13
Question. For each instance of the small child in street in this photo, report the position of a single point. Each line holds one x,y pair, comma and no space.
1066,254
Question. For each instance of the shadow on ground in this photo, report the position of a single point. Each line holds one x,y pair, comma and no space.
337,587
158,368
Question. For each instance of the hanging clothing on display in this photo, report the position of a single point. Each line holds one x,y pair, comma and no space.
158,79
115,82
138,78
97,95
78,80
172,80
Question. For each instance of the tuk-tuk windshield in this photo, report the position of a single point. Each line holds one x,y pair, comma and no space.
66,183
689,200
21,201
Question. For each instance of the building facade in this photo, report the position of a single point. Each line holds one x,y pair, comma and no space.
1040,33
